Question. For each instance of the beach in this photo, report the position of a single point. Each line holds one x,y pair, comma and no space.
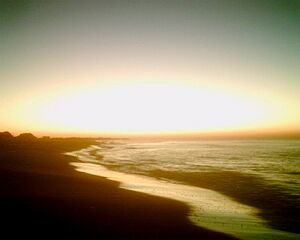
226,188
153,120
43,196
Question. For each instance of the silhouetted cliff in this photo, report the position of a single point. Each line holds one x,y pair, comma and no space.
6,136
26,137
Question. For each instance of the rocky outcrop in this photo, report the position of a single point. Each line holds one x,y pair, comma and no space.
6,136
26,137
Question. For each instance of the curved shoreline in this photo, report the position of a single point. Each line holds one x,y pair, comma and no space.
42,194
209,209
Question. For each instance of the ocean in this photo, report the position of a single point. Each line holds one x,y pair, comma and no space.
247,188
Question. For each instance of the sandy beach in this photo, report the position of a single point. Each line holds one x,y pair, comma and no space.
145,119
43,196
238,204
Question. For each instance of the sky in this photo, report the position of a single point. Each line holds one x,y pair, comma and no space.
149,67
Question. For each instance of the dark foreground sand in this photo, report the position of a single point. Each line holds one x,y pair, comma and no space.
42,196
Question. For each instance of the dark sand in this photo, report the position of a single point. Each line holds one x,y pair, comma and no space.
42,196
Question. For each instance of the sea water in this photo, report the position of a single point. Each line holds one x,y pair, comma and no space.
136,163
275,160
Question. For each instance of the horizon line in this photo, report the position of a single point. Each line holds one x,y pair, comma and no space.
292,134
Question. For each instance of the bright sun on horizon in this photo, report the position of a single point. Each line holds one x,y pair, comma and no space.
151,108
147,109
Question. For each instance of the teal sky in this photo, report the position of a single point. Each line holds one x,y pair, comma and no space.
242,48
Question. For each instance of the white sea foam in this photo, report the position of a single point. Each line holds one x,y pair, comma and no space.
209,209
274,160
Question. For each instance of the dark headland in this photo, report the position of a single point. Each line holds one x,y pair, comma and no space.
42,196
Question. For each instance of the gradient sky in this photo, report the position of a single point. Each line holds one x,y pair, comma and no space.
103,67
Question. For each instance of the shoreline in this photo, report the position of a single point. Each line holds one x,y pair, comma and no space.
209,209
41,194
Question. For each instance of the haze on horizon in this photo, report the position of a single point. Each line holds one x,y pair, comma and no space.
149,67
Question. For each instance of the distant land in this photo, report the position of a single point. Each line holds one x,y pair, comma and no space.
7,136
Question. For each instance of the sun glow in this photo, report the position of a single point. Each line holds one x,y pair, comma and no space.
148,108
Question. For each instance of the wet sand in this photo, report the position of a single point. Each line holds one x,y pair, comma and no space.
43,196
208,209
280,209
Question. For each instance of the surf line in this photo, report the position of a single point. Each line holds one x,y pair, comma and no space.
208,209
